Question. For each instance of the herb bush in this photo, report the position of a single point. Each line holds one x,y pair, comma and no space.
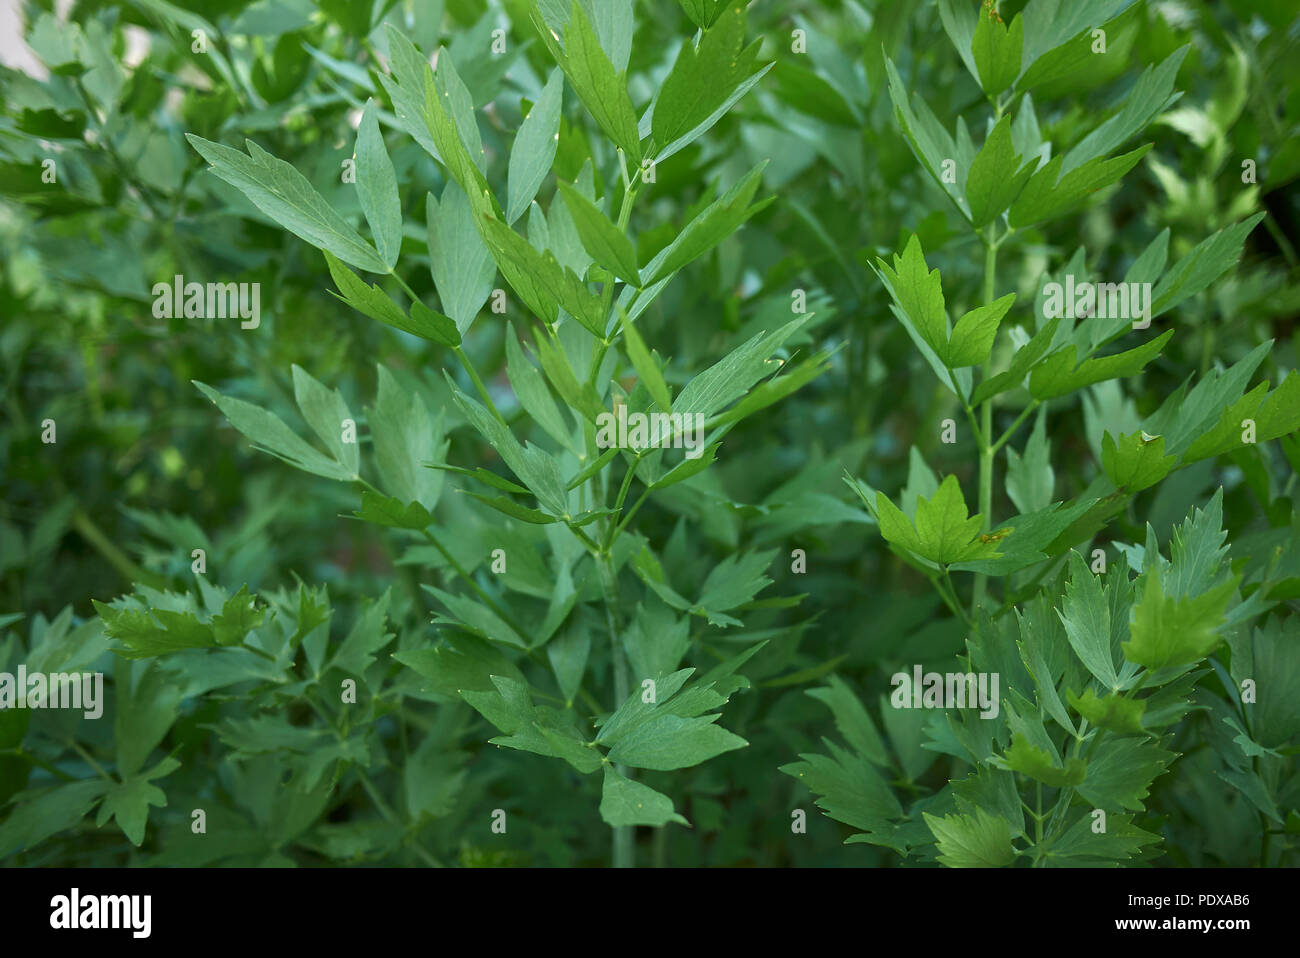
653,393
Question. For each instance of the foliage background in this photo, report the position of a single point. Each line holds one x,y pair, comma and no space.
145,469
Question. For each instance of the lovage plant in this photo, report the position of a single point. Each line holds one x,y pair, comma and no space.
1085,655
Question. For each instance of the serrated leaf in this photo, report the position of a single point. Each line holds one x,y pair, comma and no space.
1030,760
980,840
1168,631
1113,712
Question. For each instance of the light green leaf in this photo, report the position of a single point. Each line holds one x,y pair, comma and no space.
1030,478
972,337
1135,462
972,841
534,148
1030,760
1114,712
1167,631
285,195
404,438
326,412
377,188
461,264
1086,616
602,90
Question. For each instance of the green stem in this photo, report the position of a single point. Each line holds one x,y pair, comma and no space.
478,383
986,431
624,852
1016,425
114,556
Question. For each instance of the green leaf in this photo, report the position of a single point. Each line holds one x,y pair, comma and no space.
530,389
377,188
722,218
388,511
942,532
534,148
375,303
239,615
1135,462
326,412
980,840
705,81
462,266
1168,631
972,337
1121,772
918,293
996,176
852,720
1082,845
602,90
1030,478
287,198
625,802
730,377
541,282
1114,712
996,49
1085,613
404,436
153,632
668,741
702,12
146,709
129,802
269,433
1202,265
1058,375
1149,97
48,813
647,369
601,238
1045,197
1028,759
